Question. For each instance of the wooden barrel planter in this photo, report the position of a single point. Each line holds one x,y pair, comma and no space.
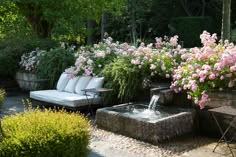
30,81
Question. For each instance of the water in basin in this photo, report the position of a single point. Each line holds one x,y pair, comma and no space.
146,111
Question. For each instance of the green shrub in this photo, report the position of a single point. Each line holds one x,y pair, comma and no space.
37,133
53,63
17,47
2,95
8,66
189,28
124,78
12,49
233,35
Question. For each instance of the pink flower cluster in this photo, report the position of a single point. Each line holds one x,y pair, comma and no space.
172,42
212,66
90,61
160,60
157,59
207,39
29,61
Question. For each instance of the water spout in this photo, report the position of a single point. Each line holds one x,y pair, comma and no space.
151,112
153,103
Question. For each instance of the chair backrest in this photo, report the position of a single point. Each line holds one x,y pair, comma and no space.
82,84
62,82
95,82
76,84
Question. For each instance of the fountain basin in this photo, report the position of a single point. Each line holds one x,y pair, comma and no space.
131,120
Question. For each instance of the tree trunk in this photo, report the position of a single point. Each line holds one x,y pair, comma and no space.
184,4
203,7
33,14
90,29
41,28
132,8
225,31
103,25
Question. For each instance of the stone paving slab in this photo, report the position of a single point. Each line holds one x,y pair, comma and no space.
102,148
206,151
13,104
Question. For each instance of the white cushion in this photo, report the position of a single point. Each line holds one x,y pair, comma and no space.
82,84
95,82
70,87
62,82
63,98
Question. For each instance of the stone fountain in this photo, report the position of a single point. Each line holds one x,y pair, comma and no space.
150,122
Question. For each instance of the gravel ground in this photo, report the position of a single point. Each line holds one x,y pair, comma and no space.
108,144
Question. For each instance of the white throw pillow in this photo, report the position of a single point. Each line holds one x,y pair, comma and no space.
95,82
62,82
82,84
70,87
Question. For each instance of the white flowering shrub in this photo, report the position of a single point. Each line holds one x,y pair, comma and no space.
29,61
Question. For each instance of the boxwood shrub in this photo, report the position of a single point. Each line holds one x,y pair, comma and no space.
8,66
50,133
233,35
189,28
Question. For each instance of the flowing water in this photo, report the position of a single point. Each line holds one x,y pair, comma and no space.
153,103
150,112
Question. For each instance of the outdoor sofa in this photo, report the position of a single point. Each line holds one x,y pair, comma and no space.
68,92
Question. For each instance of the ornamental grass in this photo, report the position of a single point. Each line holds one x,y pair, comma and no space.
2,95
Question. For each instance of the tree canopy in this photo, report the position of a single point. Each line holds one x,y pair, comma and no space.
78,19
11,22
57,17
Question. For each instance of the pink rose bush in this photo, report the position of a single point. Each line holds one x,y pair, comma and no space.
159,59
29,61
212,66
153,60
91,61
197,70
